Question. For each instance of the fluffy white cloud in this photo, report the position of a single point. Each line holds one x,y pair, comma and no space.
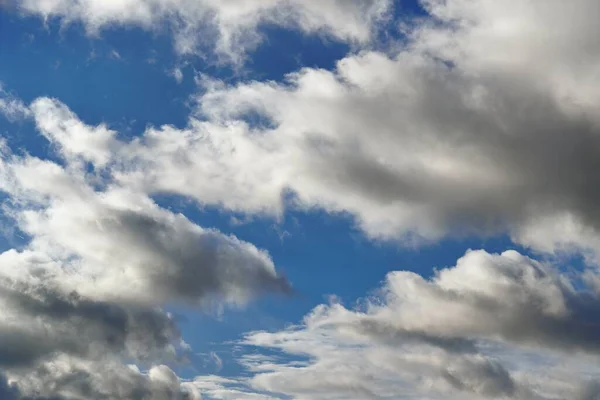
493,326
232,24
408,145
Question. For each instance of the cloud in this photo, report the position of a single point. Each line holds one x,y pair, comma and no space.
84,293
507,297
232,27
530,336
121,243
67,378
12,107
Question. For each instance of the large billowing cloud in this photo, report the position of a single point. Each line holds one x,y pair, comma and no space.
232,26
441,137
493,326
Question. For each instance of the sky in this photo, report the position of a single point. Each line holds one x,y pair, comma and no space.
297,199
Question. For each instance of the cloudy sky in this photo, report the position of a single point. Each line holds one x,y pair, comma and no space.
299,199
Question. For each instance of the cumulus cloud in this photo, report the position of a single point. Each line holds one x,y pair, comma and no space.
438,138
520,318
232,26
84,293
442,137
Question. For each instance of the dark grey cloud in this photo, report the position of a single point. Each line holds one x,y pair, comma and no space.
103,381
191,264
50,323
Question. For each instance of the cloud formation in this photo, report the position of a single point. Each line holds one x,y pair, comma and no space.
437,138
84,293
493,326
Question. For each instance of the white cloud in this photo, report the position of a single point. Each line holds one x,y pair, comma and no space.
11,107
62,128
493,326
232,26
177,74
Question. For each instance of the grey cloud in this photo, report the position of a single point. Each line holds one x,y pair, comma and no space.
589,391
53,323
389,334
127,249
191,264
484,377
508,297
75,380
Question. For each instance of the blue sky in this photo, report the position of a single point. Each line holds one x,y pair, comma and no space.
450,177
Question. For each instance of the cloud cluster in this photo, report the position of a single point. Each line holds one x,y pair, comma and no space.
84,293
232,27
441,137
